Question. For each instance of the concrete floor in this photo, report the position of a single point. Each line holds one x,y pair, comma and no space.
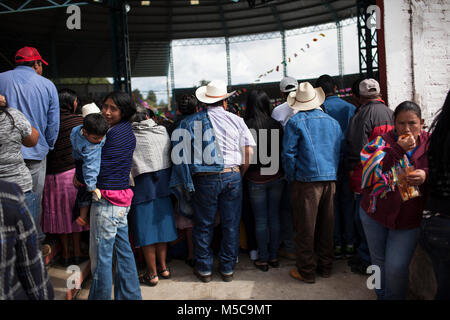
249,283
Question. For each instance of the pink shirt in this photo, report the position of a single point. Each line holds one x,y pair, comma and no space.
120,198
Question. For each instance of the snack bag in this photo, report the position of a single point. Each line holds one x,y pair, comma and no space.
407,192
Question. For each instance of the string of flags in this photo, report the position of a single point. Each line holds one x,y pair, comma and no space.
288,60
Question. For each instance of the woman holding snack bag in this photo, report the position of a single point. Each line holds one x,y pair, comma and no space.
395,167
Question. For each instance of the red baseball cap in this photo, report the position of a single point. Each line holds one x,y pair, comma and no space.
29,54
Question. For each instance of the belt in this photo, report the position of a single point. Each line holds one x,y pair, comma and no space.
232,169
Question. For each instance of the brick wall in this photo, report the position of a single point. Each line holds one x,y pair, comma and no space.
417,37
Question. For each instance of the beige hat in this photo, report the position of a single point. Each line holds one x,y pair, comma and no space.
89,108
369,88
306,97
214,91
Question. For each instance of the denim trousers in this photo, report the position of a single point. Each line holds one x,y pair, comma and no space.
109,241
38,169
265,199
248,218
287,231
217,192
392,251
362,248
435,238
30,201
344,222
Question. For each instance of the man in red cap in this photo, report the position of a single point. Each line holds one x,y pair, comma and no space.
37,98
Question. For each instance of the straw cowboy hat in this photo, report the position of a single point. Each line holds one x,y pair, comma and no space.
306,97
214,91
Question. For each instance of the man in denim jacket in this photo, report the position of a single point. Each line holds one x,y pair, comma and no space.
311,150
211,150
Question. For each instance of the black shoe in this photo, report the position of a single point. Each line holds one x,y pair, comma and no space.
201,277
274,263
263,267
226,277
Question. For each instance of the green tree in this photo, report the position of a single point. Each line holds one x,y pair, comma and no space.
84,81
204,82
151,98
137,95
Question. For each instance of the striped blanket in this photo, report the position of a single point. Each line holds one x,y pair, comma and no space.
380,182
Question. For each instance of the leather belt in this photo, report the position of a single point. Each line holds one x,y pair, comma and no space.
232,169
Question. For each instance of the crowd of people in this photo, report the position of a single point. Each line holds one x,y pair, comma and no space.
313,180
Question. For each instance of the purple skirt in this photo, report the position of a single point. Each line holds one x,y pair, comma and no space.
57,203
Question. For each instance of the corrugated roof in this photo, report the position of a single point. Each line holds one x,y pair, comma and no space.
87,52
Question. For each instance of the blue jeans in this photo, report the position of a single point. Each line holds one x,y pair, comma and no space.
265,199
362,249
223,192
435,238
287,232
392,251
37,169
108,235
30,201
344,222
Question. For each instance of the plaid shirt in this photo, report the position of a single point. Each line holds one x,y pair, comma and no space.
22,271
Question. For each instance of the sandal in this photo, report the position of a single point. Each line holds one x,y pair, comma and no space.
160,273
147,279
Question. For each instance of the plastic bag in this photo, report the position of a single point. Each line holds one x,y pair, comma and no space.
407,192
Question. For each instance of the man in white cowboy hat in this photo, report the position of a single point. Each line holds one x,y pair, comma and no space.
220,190
311,149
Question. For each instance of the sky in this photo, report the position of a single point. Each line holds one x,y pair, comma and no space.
251,59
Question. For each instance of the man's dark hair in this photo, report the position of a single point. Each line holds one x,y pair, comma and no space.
124,103
327,84
28,63
355,87
95,123
142,114
187,105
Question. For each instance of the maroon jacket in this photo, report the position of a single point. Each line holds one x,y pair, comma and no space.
391,211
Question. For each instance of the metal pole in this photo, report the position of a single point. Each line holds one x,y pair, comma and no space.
283,49
227,45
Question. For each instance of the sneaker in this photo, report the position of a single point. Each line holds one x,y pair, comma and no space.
338,252
349,251
226,277
201,277
253,255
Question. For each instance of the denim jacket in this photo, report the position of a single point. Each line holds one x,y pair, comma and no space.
311,147
194,135
87,153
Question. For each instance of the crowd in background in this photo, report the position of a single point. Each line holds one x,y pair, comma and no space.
315,179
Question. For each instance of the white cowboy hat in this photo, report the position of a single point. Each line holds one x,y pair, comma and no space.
89,108
214,91
306,97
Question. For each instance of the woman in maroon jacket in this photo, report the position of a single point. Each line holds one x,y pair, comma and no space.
390,220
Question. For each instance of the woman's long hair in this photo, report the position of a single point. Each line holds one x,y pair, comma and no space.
67,98
257,112
439,142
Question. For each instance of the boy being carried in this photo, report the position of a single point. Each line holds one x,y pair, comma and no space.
87,142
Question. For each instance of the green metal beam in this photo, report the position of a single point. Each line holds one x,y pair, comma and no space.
51,4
